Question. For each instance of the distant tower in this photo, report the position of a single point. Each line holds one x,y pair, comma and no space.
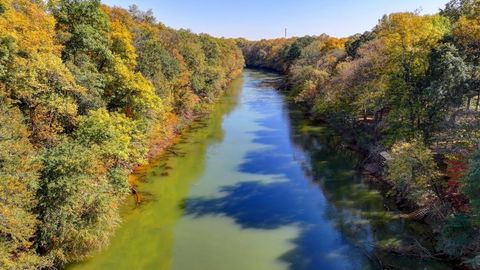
285,32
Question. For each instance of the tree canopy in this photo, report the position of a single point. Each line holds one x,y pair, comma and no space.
83,90
409,86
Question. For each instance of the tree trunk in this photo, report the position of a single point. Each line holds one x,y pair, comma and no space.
478,103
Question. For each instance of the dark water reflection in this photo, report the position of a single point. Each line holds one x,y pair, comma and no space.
256,187
341,219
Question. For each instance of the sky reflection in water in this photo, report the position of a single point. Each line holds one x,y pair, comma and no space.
251,189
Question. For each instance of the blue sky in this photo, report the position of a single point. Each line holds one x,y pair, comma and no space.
257,19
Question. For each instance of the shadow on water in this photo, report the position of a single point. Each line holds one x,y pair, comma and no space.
145,237
340,218
290,201
259,189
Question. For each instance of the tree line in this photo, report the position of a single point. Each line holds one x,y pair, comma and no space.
410,86
85,91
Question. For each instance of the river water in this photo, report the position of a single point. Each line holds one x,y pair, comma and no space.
254,187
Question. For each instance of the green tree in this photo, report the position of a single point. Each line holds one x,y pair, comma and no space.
458,8
409,39
357,41
129,92
294,50
472,187
446,87
413,169
32,73
460,233
119,142
77,206
84,30
155,61
457,235
18,184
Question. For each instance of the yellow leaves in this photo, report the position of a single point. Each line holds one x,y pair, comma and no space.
110,131
36,75
409,38
413,166
334,43
85,159
46,71
137,93
122,44
467,30
30,26
45,84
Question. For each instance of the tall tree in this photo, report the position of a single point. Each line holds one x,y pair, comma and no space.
84,31
408,38
77,205
446,86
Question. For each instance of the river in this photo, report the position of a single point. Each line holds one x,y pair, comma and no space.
255,187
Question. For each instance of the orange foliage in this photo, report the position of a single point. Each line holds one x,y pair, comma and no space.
456,169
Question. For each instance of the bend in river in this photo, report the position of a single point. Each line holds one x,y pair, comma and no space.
254,187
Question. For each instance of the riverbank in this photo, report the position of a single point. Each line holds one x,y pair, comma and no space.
400,105
374,156
170,134
254,173
373,165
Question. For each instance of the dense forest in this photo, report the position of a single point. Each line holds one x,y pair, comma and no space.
86,91
409,88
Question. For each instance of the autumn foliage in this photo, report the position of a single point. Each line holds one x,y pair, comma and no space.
84,89
409,86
